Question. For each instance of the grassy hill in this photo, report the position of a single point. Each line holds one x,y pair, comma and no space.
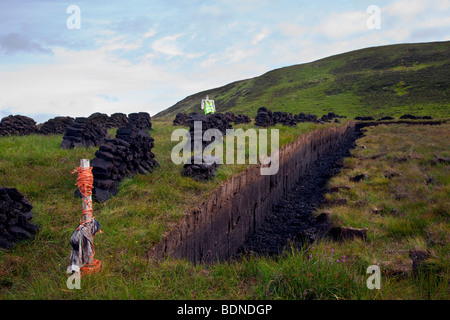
380,81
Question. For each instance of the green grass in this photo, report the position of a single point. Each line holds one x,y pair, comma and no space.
380,81
147,205
133,221
404,204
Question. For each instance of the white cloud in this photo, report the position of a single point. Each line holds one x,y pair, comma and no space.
396,35
76,83
209,10
71,85
443,4
405,9
210,60
234,54
119,43
436,23
260,36
341,25
150,33
169,46
293,30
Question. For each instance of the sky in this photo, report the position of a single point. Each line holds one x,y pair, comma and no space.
63,58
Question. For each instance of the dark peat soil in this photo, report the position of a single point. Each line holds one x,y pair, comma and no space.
292,221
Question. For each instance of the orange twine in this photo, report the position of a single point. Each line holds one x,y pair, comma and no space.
85,183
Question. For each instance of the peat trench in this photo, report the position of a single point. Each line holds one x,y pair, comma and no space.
292,221
264,214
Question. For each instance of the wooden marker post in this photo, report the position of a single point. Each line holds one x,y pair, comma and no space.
82,239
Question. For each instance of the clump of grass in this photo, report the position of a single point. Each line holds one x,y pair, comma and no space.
320,271
403,203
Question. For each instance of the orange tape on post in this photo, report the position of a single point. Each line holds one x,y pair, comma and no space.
85,183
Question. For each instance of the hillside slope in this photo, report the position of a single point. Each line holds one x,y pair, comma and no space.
380,81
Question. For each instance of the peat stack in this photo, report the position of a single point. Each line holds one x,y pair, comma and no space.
84,133
279,116
99,117
17,126
181,119
57,125
129,153
230,116
264,118
412,117
386,118
117,120
237,118
364,118
219,121
284,118
330,116
141,120
302,117
211,121
201,167
241,118
15,214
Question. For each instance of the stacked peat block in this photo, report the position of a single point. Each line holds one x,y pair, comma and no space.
237,118
181,119
330,116
364,118
412,117
56,125
15,214
117,120
278,116
284,118
217,121
267,118
302,117
201,167
242,118
99,118
220,122
84,132
17,126
386,118
264,118
230,116
129,153
204,167
142,120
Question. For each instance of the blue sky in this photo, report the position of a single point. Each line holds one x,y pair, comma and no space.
130,56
